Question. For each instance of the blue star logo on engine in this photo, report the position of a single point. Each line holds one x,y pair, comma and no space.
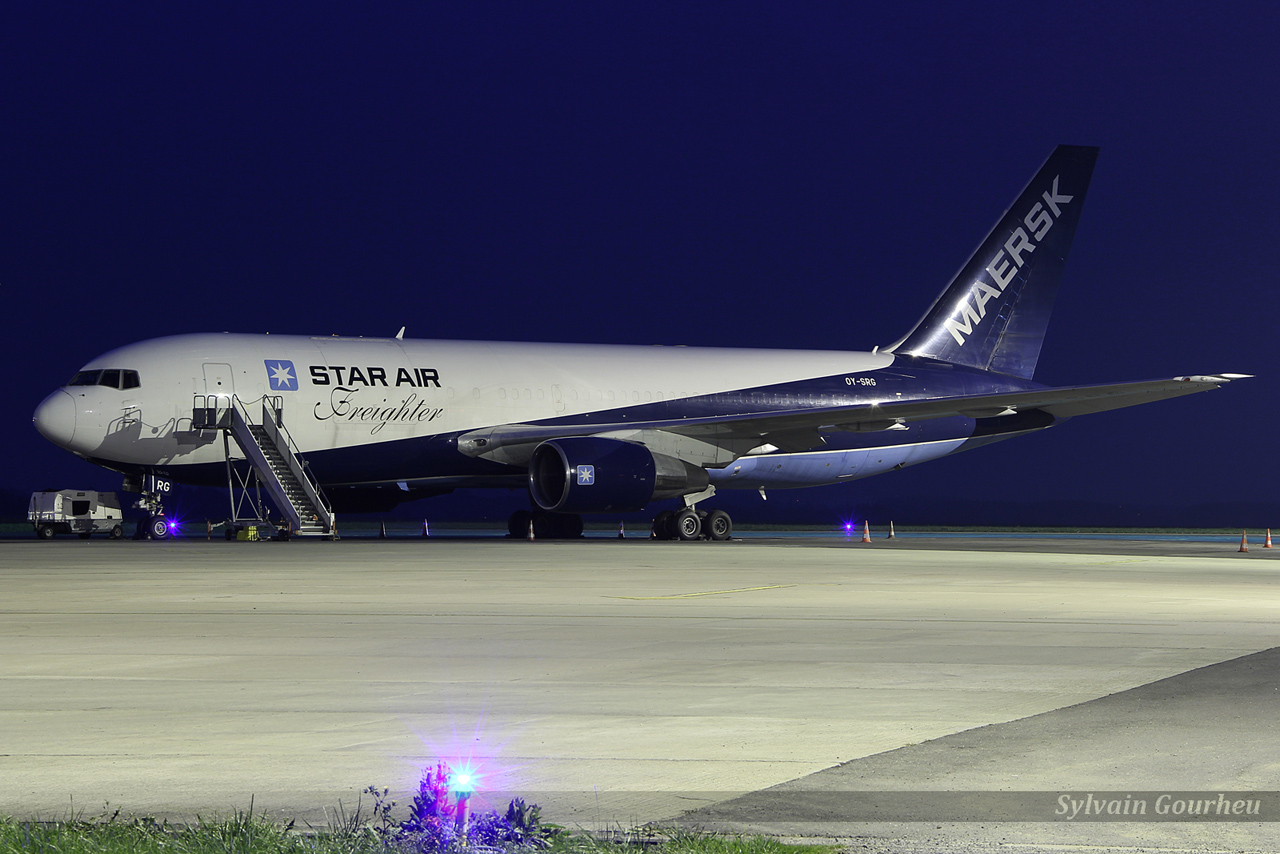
586,475
282,375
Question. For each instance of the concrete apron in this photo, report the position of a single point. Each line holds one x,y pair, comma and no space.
612,682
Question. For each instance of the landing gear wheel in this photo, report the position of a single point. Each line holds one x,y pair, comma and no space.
116,533
518,524
662,525
550,526
571,526
718,525
545,526
158,528
687,525
45,532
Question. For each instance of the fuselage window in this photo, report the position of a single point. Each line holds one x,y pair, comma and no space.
111,378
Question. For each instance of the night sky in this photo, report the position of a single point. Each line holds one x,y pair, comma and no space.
765,175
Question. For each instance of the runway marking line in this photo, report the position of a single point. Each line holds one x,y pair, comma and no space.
707,593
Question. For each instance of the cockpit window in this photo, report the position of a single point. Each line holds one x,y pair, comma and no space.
111,378
85,378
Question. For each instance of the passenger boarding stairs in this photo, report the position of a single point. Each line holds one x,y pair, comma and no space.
271,451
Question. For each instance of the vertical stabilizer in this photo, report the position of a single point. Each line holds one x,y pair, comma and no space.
994,313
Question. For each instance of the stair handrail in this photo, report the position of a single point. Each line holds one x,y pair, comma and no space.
240,426
273,423
211,411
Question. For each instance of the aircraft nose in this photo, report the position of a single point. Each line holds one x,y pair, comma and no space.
55,418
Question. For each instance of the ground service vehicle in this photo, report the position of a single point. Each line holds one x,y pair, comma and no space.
75,511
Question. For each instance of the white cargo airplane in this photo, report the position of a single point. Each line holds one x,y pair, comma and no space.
372,422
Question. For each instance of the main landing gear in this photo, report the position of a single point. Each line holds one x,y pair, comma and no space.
692,524
546,526
688,523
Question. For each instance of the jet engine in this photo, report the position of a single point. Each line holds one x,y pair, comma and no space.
587,474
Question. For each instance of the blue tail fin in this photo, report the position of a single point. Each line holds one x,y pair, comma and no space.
994,313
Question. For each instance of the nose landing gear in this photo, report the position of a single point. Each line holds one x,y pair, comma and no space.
150,489
158,528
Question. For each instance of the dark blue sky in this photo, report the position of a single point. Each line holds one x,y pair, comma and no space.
766,175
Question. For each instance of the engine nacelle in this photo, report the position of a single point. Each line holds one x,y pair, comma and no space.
587,474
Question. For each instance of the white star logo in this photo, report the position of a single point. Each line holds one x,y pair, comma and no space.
280,375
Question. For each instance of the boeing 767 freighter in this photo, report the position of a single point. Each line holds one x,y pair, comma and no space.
364,423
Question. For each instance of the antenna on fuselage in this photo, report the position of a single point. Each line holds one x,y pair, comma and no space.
400,334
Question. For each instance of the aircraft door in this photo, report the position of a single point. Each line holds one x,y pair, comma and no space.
557,398
219,386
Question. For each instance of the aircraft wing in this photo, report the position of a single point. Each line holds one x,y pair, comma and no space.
1059,402
802,429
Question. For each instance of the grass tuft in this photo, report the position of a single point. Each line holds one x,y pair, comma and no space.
244,833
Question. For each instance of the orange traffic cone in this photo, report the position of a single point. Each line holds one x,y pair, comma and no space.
1244,542
866,532
622,535
382,529
426,531
891,535
531,530
1267,544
